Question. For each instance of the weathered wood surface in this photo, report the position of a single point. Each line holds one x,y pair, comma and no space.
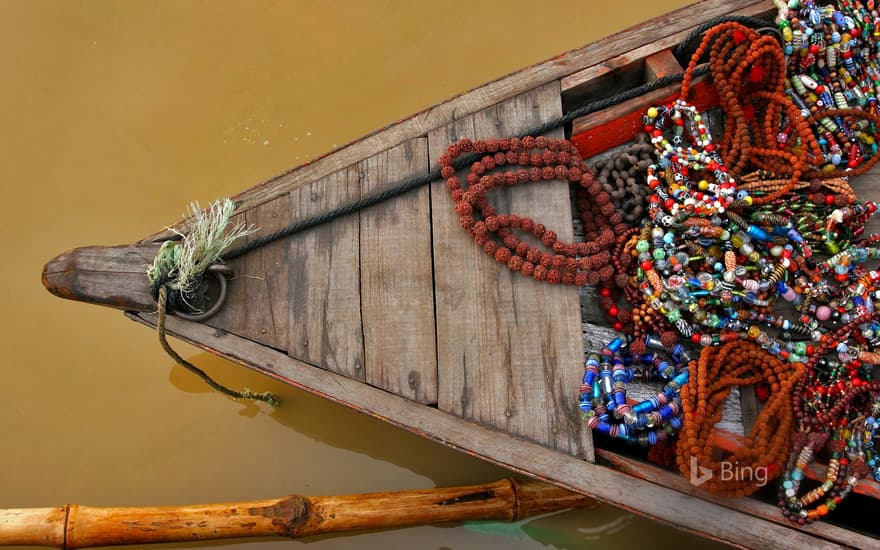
675,508
266,278
294,516
113,276
631,44
257,304
325,301
867,187
508,348
397,288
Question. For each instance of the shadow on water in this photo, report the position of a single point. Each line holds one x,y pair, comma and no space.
330,424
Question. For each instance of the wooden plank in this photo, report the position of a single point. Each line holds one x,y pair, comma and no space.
257,306
509,348
397,288
628,43
127,291
661,64
624,490
324,269
128,258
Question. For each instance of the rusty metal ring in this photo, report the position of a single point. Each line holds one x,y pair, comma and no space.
220,272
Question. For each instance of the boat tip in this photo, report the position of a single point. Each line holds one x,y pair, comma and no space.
113,276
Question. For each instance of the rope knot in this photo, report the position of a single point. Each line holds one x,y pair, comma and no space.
177,280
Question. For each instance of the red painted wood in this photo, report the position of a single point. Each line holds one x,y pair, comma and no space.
624,121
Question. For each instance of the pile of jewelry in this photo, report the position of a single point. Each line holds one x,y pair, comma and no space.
832,74
752,251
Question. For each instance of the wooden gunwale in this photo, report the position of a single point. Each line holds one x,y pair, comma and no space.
621,481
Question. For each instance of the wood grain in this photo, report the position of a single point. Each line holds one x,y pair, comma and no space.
294,516
324,269
509,348
258,305
267,275
33,526
397,288
114,276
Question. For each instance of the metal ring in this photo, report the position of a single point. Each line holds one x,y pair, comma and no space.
774,31
220,272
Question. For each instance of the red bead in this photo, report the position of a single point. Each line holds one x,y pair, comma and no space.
605,292
647,265
613,311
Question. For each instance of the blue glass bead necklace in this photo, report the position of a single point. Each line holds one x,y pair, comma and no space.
603,401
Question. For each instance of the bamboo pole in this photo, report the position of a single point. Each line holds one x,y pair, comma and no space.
294,516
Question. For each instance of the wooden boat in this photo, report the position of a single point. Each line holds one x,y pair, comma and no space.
393,311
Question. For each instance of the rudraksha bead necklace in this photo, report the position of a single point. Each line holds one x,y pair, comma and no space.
539,159
622,175
765,448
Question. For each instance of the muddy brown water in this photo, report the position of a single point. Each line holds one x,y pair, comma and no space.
113,117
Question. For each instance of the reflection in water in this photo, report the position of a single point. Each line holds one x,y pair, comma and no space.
117,114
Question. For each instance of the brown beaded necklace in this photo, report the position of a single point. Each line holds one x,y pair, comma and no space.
540,159
766,447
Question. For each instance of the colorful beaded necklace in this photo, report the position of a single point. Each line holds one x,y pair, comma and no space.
832,75
603,400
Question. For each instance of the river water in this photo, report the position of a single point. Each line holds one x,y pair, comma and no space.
113,116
